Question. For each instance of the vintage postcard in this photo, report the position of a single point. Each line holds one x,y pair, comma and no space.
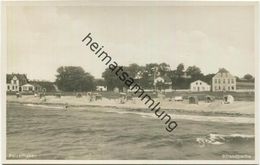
130,82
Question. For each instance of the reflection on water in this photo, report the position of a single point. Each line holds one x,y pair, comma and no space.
35,132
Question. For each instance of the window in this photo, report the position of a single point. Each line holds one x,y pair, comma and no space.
219,81
216,88
232,81
13,87
200,83
14,81
8,87
216,81
196,83
228,88
224,81
228,81
219,88
232,88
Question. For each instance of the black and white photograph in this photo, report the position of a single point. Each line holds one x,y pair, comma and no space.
122,81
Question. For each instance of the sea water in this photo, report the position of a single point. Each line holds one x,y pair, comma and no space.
87,133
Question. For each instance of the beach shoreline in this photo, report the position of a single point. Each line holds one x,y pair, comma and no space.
216,107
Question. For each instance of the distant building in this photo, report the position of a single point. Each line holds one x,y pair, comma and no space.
100,85
116,90
20,83
101,88
31,88
199,86
223,81
162,82
14,82
185,76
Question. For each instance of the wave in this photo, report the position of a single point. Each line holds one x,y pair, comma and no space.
191,117
44,106
222,119
218,139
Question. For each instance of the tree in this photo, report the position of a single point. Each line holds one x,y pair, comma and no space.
72,78
180,70
112,80
248,77
194,72
47,85
208,78
100,82
133,70
164,68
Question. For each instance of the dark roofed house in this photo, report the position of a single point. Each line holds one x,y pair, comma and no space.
162,82
15,81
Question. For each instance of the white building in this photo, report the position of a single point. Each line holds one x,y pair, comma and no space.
14,82
31,87
162,82
101,88
223,81
199,86
20,83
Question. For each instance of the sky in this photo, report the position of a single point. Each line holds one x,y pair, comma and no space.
42,38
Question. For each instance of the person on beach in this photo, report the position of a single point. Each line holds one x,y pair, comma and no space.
66,106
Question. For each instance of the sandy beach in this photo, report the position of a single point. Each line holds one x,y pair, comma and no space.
238,107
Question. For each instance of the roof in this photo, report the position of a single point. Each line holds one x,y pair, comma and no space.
35,84
165,78
21,77
27,85
199,81
222,70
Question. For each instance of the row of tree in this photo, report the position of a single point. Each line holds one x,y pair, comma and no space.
72,78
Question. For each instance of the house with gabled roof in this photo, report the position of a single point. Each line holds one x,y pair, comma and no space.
223,81
15,82
199,86
20,83
162,82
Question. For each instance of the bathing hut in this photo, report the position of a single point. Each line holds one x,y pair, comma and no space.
58,95
193,100
95,96
228,99
116,90
78,95
122,98
209,99
41,95
98,97
129,97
